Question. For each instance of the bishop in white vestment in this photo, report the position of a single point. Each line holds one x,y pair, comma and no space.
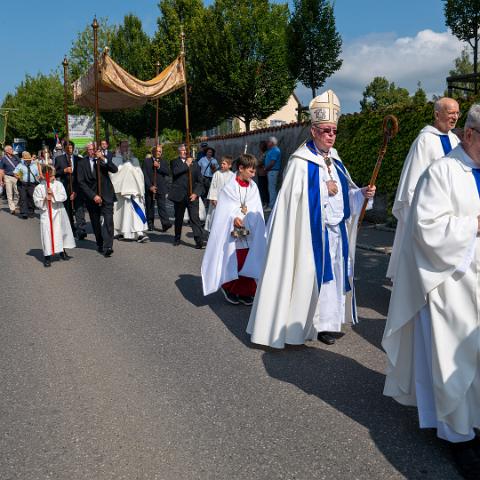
129,218
432,336
432,143
307,284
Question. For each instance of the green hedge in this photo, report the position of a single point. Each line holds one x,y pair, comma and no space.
360,138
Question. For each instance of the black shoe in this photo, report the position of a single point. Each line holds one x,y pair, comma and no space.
199,245
466,459
65,256
108,252
47,262
100,249
166,228
24,216
326,338
82,235
150,227
248,301
176,242
230,297
31,215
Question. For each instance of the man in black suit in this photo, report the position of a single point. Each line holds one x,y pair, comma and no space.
155,170
66,166
104,147
182,168
98,206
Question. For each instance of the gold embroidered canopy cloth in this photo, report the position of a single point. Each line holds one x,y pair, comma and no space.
118,89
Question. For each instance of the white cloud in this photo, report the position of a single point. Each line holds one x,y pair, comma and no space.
427,58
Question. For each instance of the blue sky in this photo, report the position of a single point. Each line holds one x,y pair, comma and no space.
405,41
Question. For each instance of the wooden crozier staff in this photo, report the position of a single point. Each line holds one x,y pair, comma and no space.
390,130
67,133
97,124
187,123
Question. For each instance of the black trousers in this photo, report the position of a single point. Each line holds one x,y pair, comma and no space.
79,226
161,207
25,192
193,213
103,233
263,188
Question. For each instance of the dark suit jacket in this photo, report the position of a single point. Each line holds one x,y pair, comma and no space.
162,174
87,180
61,163
179,189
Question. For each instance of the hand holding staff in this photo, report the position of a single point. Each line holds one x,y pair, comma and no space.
390,130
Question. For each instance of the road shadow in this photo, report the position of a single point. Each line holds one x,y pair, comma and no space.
234,317
356,391
36,253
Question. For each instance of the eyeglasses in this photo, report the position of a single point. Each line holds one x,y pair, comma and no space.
327,130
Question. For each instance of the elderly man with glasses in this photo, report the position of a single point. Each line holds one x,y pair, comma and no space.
432,143
306,289
432,335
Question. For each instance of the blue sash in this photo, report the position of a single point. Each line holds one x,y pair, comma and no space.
138,210
447,146
323,265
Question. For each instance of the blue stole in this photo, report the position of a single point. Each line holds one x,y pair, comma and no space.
323,265
476,176
447,146
138,210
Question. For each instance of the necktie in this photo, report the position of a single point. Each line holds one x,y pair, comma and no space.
28,174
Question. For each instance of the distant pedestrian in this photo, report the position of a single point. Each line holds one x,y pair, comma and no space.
208,166
8,164
262,174
27,175
273,162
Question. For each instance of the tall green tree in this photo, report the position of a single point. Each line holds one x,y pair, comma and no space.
38,104
175,15
131,48
380,93
463,18
81,52
420,96
241,68
314,45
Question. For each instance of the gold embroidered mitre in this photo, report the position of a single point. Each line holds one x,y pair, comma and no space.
325,108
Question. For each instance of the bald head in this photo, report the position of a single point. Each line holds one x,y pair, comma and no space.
446,111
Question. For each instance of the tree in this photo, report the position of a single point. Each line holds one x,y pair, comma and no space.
81,52
314,45
380,93
39,109
420,96
131,48
463,66
242,69
463,18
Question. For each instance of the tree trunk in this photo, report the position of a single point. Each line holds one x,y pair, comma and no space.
314,92
247,123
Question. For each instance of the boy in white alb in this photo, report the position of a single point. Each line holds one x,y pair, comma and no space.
236,247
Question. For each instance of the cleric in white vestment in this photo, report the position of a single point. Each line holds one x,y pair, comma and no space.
307,284
432,143
129,218
432,336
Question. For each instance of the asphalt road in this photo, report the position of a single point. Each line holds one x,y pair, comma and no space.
120,369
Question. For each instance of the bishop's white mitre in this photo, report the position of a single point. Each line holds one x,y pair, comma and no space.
325,108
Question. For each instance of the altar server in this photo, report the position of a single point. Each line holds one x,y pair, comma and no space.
236,247
432,143
306,289
62,230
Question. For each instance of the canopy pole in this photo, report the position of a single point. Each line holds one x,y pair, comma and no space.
187,123
97,125
156,111
67,133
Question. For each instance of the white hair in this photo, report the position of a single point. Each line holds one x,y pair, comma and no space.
473,117
273,140
182,145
